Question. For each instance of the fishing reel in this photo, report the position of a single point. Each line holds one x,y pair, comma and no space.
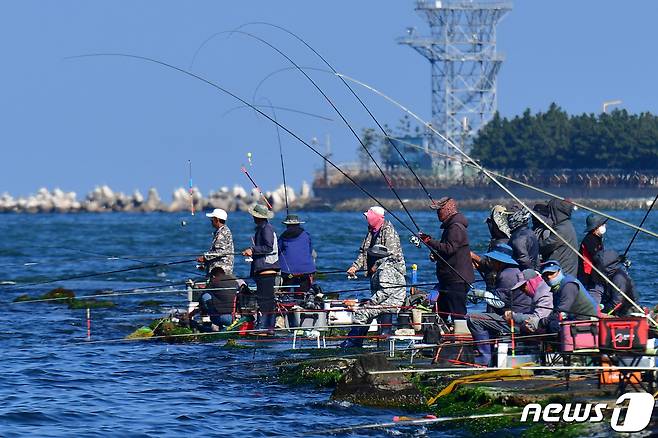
415,241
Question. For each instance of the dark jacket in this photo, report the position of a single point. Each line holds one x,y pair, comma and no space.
454,248
223,289
296,251
589,247
515,300
265,249
608,262
525,248
573,299
552,247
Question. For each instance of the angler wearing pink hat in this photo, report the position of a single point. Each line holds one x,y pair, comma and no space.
380,232
220,254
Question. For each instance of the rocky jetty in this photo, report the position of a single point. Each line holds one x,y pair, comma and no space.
104,199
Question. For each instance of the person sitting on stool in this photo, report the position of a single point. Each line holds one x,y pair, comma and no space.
218,301
388,287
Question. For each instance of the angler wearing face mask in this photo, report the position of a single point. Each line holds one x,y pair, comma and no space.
380,232
589,247
570,298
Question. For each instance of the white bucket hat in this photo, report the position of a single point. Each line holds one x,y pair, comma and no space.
218,213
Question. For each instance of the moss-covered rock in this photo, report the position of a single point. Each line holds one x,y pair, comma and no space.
89,304
141,333
24,297
233,344
318,372
357,385
58,293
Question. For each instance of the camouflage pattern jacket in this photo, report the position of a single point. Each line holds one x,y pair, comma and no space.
386,236
387,284
221,251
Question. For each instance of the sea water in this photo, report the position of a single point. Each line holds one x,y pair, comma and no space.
54,382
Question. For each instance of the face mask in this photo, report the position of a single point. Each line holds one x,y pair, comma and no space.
602,230
556,280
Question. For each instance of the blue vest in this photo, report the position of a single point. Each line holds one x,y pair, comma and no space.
295,254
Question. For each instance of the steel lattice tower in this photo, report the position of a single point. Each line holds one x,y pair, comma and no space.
464,62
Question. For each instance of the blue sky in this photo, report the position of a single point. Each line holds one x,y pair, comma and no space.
77,123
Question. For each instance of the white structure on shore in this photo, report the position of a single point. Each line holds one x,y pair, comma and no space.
103,199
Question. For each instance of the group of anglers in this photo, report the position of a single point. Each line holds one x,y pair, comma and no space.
533,279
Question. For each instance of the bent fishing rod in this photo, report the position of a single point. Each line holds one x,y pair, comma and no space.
637,230
282,126
386,178
389,182
502,186
372,116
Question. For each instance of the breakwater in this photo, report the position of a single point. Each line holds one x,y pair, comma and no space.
104,199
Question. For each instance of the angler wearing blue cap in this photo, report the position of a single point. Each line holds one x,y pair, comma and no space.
571,300
501,299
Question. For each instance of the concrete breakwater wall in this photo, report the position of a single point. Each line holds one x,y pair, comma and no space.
104,199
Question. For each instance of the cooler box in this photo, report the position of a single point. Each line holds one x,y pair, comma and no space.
337,313
579,335
310,319
625,334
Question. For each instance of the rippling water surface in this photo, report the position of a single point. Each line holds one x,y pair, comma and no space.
54,382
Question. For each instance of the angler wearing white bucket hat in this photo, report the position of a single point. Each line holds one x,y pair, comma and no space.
220,254
380,232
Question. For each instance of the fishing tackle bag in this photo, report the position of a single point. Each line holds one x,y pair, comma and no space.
626,334
579,335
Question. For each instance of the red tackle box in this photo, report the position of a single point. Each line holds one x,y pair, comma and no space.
625,334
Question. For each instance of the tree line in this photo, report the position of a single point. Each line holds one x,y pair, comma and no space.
555,140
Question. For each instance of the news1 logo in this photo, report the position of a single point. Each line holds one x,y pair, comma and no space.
638,412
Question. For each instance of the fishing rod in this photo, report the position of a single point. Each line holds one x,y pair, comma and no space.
132,258
623,257
419,422
96,274
417,239
191,189
244,170
286,129
534,188
334,71
283,168
340,114
502,186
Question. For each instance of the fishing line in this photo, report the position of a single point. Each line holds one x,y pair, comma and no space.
96,274
283,168
318,153
335,72
531,187
509,192
280,108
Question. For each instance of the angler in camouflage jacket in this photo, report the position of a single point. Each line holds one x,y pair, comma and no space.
222,243
388,288
386,236
220,254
